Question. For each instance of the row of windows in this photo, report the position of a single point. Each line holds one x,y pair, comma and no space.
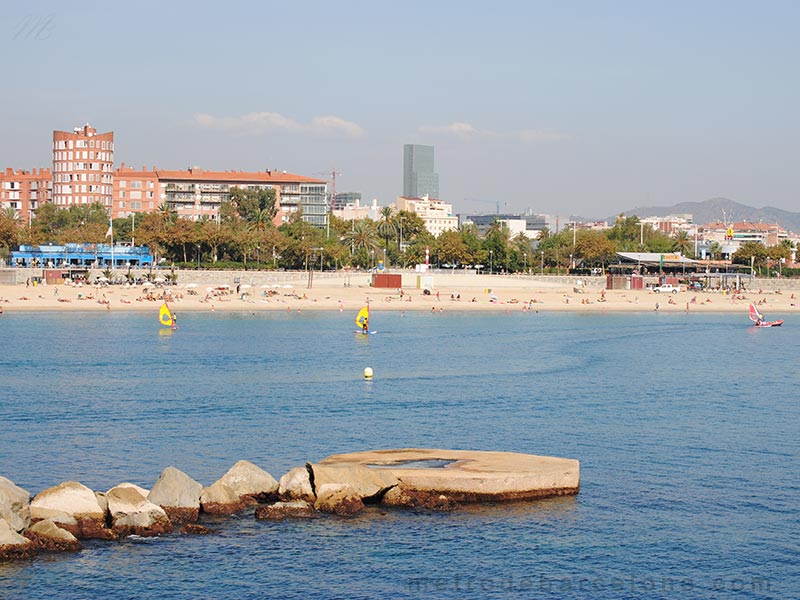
135,194
135,205
86,155
64,166
135,183
68,189
67,144
68,177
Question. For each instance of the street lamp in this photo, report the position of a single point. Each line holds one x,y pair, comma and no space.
542,253
384,258
491,262
372,260
525,259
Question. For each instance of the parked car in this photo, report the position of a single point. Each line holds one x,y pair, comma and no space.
666,288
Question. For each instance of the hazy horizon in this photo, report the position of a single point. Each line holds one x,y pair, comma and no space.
576,108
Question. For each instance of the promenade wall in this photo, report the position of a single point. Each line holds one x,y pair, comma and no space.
444,280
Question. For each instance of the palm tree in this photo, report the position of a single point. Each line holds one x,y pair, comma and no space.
386,226
682,243
10,213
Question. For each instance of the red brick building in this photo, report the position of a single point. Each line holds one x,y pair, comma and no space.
23,191
83,166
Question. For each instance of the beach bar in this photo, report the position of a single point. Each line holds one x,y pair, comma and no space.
81,255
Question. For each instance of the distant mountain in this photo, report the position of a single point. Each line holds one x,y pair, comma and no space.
718,209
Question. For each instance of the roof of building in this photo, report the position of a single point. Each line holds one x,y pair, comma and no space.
194,174
744,226
656,257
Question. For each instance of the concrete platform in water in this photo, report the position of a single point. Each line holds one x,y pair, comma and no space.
471,475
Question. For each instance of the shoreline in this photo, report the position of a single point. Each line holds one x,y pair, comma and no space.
332,295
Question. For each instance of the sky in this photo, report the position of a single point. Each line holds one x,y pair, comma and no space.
580,108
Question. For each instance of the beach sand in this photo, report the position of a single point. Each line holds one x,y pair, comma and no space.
477,293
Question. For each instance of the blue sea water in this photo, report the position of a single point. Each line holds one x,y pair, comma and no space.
686,427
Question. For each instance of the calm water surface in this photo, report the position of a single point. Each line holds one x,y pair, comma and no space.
686,427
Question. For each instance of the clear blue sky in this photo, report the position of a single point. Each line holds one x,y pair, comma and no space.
585,108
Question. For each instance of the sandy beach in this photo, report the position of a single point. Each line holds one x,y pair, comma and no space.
349,293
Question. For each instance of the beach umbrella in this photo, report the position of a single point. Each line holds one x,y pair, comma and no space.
288,286
209,289
245,286
147,284
191,285
159,280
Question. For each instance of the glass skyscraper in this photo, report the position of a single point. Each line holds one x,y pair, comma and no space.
419,179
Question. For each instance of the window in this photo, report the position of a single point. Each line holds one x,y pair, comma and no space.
122,194
122,183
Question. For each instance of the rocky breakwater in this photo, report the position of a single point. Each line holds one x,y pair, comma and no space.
344,484
438,479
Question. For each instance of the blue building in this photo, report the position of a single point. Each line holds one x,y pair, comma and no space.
96,256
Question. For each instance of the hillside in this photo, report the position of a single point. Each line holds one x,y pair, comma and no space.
717,209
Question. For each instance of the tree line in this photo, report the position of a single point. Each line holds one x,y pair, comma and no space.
244,236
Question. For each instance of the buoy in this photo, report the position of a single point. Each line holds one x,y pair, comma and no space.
368,373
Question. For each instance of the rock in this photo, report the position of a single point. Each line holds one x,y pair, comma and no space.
12,544
277,511
220,499
365,482
250,483
178,494
296,485
71,499
132,514
195,529
48,536
144,492
400,496
102,501
473,476
14,505
338,499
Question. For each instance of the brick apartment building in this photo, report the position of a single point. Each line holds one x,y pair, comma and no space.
196,193
83,166
23,191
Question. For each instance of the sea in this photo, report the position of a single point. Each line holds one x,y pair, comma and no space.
686,427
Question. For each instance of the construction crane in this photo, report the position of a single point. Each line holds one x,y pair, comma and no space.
496,203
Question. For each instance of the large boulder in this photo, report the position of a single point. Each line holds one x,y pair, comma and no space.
71,500
12,544
220,499
338,499
132,514
14,505
49,536
367,483
296,485
250,483
278,511
178,494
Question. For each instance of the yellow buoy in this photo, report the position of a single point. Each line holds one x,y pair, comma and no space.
368,373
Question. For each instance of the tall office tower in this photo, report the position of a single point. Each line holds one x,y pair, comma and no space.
419,178
83,166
